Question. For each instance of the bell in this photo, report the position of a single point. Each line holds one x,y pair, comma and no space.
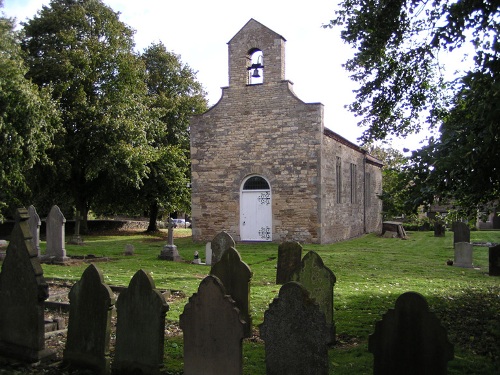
255,73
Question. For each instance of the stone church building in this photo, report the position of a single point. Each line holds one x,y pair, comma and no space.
265,168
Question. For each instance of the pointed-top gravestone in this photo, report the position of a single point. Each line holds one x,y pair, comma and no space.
34,224
220,244
23,291
89,326
289,256
410,340
213,332
139,347
461,232
235,275
295,334
494,260
319,280
55,251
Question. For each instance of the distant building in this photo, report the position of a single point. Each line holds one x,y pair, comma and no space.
264,167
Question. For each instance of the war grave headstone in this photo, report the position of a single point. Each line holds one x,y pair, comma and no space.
220,243
140,327
463,254
410,340
235,275
170,251
494,260
289,257
89,326
23,291
295,334
461,232
213,331
34,224
55,251
319,280
208,254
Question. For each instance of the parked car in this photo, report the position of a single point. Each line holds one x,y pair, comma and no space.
181,223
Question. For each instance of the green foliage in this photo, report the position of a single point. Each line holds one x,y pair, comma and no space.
29,121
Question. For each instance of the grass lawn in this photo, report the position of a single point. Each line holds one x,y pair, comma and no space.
371,273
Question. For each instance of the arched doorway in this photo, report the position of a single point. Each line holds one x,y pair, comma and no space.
255,210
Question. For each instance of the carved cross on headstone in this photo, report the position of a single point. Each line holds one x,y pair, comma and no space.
170,251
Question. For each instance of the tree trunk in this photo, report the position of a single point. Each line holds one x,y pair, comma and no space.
153,215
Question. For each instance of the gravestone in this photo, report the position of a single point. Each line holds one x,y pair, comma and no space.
295,333
170,251
289,256
76,239
394,229
220,244
319,280
463,255
139,347
235,275
34,224
196,258
208,254
129,249
23,291
55,251
494,260
439,229
89,326
213,332
461,232
410,340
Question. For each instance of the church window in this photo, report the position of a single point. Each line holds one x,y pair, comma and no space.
354,197
338,179
256,183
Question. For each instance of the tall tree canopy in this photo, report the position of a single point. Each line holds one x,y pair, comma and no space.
28,121
403,86
85,53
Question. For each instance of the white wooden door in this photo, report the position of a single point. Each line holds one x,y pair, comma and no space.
256,215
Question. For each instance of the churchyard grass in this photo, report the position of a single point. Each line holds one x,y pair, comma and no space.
371,273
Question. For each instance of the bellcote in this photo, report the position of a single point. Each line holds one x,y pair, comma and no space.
252,41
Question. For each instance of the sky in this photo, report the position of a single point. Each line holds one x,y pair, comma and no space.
198,31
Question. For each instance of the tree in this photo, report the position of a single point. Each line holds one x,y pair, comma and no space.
402,85
85,53
28,121
175,95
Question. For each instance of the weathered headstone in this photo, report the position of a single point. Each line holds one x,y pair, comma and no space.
170,251
140,327
410,340
208,253
235,275
76,239
213,332
55,251
494,260
129,249
319,280
461,232
89,326
34,224
295,334
220,243
439,229
289,257
23,291
463,254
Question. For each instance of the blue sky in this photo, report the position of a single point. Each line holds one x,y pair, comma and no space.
199,30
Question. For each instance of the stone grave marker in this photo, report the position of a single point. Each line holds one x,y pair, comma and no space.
235,275
319,280
55,251
463,254
23,291
461,232
220,243
439,229
494,260
410,340
139,347
129,250
295,333
34,224
76,239
289,257
213,332
170,251
208,254
89,326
